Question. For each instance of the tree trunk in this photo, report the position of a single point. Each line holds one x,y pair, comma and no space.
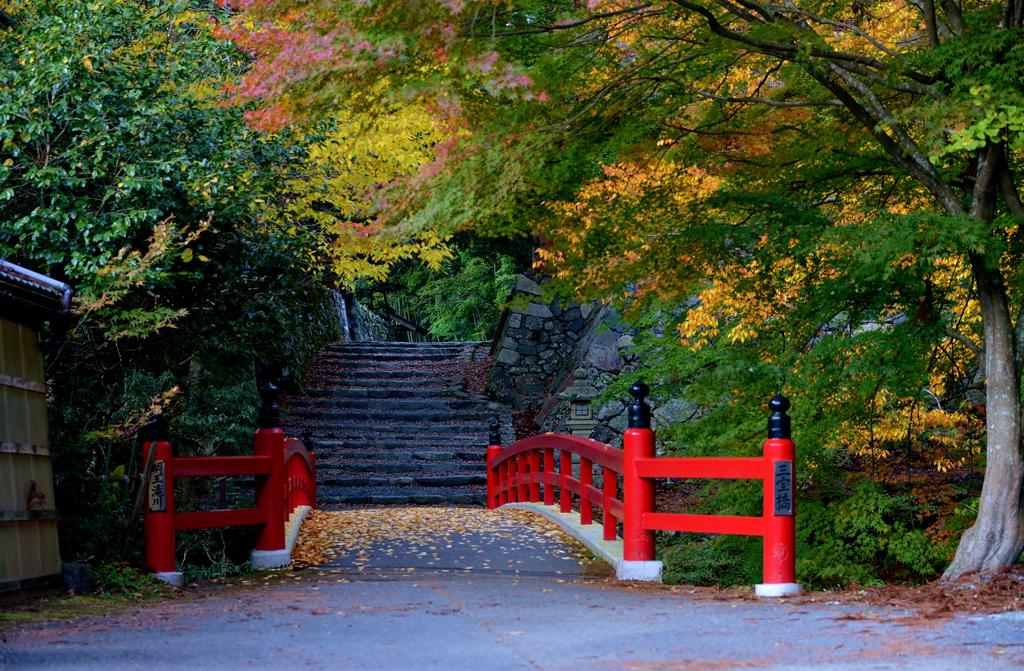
997,537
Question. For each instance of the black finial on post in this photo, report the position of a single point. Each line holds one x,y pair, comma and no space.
495,437
307,439
156,430
270,415
778,423
639,411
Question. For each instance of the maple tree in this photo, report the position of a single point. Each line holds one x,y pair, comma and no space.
881,138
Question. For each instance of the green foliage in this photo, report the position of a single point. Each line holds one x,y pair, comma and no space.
123,175
464,299
864,539
723,561
119,579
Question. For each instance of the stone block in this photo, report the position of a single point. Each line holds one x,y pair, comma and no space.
530,360
625,342
527,349
605,358
507,357
603,434
531,324
385,500
575,326
515,320
427,499
527,286
613,409
673,411
586,309
539,310
571,315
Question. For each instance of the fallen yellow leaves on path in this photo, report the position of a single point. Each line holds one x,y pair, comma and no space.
421,532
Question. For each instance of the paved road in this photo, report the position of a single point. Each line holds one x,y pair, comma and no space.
427,610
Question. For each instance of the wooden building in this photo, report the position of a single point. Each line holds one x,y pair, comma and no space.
29,555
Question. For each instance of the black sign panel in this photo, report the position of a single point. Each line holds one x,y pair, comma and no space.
783,487
158,488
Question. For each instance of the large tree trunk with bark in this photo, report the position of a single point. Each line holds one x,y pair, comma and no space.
997,537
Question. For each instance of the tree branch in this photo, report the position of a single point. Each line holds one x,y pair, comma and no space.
790,50
964,340
747,99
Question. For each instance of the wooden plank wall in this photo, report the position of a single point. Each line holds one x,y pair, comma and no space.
29,555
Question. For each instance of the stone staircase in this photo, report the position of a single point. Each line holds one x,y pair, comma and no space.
392,423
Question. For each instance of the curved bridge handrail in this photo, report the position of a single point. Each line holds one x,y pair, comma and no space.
599,453
293,446
300,475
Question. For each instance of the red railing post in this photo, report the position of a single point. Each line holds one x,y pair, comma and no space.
549,472
159,515
493,474
586,479
534,474
779,505
271,489
523,465
503,483
611,489
638,561
565,470
637,492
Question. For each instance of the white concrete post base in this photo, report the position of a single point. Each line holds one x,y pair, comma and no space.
777,590
262,559
175,578
647,571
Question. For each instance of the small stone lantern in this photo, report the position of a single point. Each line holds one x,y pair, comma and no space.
581,413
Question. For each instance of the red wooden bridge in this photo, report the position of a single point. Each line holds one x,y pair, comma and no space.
285,475
532,469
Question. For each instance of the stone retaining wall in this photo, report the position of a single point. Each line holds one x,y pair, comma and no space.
547,355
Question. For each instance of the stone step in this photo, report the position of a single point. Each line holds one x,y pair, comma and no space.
479,420
428,384
347,365
430,431
407,468
390,480
336,357
357,375
407,496
385,392
468,344
400,442
450,455
391,426
402,405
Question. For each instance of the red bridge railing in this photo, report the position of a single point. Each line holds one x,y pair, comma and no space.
529,470
285,478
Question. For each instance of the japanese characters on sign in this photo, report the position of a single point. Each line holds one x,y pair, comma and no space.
158,488
783,487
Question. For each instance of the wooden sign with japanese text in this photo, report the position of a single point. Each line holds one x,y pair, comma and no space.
158,488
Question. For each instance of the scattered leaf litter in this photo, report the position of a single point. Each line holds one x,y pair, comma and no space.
356,535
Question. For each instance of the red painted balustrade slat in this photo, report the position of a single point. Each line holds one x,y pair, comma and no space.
219,518
706,524
733,468
205,467
615,509
599,453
